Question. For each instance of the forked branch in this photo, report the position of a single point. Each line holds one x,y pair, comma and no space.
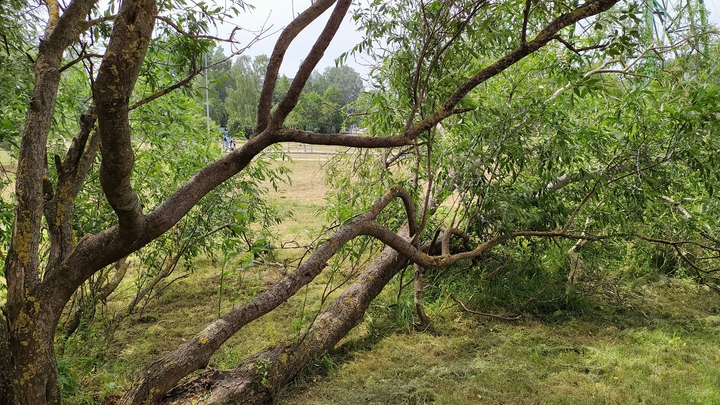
276,58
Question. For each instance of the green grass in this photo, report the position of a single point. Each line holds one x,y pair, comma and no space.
304,196
659,344
656,352
651,351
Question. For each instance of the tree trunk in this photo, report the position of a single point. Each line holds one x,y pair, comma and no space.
6,374
35,378
258,378
161,375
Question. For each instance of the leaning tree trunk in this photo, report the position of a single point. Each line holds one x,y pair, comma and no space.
162,374
257,379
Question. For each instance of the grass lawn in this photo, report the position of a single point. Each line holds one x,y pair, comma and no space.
659,345
304,196
662,347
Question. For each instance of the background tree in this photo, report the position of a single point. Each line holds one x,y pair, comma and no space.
241,104
325,103
344,78
221,84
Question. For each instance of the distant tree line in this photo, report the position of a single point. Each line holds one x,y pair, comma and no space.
324,107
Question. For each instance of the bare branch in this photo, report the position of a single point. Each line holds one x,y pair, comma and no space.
578,50
185,81
485,314
402,152
677,242
585,76
211,37
22,274
82,55
677,205
579,207
91,23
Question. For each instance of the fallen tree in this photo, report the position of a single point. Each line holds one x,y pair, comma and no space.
40,285
259,377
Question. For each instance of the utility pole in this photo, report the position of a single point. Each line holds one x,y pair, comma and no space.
207,95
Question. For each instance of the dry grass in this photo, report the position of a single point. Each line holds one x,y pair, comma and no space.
304,196
7,173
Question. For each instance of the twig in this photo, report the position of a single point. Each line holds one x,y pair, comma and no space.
516,317
576,50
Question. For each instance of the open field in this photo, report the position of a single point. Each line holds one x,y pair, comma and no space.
304,196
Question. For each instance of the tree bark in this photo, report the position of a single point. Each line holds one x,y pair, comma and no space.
6,371
258,378
30,321
161,375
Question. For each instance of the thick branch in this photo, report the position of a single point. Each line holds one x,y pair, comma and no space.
368,142
114,85
278,54
22,259
94,252
256,379
161,375
308,65
30,339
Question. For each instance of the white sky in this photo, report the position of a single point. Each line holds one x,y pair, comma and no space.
278,13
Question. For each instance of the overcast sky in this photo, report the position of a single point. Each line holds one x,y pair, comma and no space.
276,14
